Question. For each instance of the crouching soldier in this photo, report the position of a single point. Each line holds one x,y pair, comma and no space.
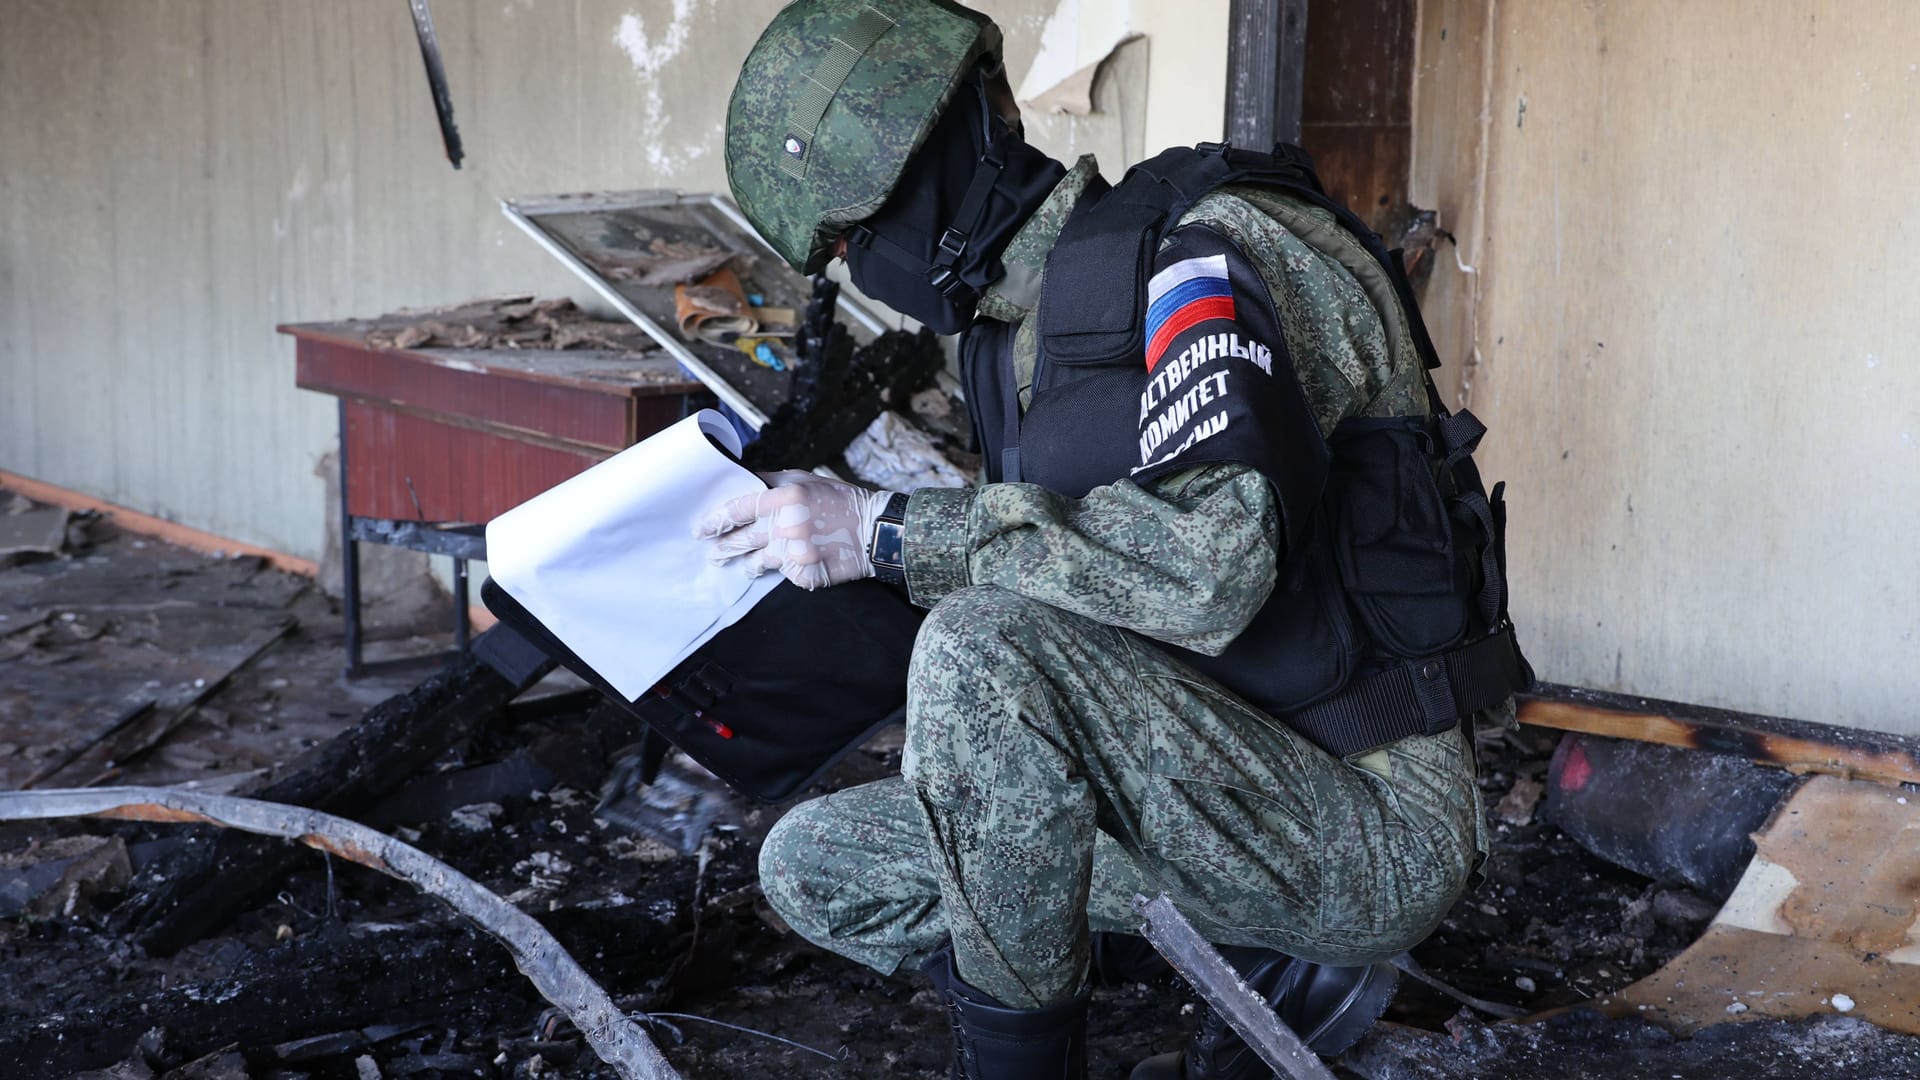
1218,621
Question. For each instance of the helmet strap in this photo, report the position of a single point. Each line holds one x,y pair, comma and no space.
944,259
940,272
966,220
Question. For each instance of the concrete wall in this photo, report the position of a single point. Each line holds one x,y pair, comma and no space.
1684,303
178,176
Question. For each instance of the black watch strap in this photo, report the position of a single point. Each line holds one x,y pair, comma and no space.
886,548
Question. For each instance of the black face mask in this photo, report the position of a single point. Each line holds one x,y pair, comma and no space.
936,242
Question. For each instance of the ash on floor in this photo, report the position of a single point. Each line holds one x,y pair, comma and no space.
115,621
1582,1044
1551,925
348,974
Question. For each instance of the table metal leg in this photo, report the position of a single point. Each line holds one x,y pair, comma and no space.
461,628
349,559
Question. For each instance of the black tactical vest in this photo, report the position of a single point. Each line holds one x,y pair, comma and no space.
1389,618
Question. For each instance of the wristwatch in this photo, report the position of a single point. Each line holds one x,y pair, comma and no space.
886,549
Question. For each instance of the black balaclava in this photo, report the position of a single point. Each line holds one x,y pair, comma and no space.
936,242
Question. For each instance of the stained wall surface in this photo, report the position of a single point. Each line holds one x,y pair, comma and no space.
178,176
1683,298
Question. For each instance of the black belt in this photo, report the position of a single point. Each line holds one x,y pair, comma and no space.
1418,697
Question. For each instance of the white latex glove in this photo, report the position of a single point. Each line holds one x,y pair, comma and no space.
812,529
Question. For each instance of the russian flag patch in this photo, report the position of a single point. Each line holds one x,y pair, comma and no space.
1183,296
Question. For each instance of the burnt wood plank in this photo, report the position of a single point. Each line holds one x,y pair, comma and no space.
335,979
323,983
197,889
1799,745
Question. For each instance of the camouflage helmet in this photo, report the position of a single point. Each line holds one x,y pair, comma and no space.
832,101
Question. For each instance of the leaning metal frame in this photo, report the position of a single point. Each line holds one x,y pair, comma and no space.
524,211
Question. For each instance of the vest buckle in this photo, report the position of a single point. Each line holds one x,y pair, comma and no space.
953,243
945,281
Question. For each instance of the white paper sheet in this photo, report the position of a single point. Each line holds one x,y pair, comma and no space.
607,560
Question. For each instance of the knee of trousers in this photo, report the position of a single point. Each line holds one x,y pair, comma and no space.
974,647
792,875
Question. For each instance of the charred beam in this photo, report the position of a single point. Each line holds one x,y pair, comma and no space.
333,979
457,541
322,983
1797,745
560,979
199,888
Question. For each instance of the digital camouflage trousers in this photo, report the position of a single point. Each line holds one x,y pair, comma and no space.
1054,767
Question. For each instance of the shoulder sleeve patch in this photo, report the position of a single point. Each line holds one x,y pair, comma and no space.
1213,390
1184,295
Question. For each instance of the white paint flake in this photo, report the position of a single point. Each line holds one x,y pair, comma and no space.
649,56
1842,1003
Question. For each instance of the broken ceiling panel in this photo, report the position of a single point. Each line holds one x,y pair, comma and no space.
1823,922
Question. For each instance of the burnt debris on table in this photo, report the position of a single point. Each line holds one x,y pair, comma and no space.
509,322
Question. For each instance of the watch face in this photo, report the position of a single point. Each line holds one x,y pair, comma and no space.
887,543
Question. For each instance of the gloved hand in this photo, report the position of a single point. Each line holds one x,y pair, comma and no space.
812,529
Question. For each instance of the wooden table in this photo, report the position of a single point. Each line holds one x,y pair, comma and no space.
434,443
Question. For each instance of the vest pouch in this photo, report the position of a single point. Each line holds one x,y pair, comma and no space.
1073,434
1408,549
1085,318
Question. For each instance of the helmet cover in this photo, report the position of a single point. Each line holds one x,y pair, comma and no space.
832,102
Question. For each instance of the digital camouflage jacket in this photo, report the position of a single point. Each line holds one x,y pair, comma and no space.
1188,558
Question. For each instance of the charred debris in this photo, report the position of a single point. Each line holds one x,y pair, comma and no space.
140,949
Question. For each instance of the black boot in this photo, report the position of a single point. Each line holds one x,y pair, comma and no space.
1119,959
993,1042
1328,1007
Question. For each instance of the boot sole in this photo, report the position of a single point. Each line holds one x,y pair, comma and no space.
1362,1007
1359,1009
